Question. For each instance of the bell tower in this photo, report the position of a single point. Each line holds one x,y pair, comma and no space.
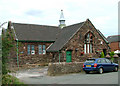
62,20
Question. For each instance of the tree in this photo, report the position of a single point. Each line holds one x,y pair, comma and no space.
102,55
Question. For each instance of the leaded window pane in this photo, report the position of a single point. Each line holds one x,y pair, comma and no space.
28,49
44,51
40,49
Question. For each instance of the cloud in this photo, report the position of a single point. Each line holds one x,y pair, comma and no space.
34,12
102,13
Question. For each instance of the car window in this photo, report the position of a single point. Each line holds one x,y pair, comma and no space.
90,61
99,61
103,61
108,61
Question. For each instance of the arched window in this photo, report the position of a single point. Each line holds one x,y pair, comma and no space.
88,43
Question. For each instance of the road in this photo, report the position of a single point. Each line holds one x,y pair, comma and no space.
39,76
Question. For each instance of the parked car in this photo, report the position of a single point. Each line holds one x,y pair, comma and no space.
99,65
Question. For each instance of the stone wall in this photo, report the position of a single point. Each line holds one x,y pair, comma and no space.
76,44
64,68
25,59
23,47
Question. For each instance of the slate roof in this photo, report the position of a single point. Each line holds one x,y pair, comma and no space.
105,39
115,38
31,32
59,37
64,36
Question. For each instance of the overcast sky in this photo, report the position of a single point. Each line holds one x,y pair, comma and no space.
102,13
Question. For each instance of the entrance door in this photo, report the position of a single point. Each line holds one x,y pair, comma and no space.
68,56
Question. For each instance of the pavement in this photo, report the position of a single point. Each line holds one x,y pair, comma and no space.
39,76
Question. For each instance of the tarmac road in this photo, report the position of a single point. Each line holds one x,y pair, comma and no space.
39,76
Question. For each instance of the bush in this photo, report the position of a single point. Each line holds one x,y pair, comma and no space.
112,54
8,79
102,55
6,46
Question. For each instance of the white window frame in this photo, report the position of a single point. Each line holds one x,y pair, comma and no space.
40,49
44,49
85,48
91,48
28,49
32,49
88,48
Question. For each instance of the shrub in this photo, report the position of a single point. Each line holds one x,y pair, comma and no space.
102,55
112,54
8,79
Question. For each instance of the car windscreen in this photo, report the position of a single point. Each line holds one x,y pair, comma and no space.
90,61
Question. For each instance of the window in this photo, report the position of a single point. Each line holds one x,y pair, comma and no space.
103,61
32,49
90,61
90,48
88,43
40,49
108,61
28,49
44,51
99,61
85,48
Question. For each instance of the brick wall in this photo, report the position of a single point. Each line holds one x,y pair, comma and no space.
114,46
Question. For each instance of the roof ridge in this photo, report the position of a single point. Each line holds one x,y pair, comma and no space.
35,24
113,35
73,24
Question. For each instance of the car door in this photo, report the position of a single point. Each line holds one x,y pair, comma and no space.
104,65
109,65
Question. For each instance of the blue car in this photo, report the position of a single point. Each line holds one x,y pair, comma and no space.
99,65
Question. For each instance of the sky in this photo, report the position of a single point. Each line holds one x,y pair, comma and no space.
102,13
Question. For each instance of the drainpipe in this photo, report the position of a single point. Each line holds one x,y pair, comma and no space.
17,55
59,57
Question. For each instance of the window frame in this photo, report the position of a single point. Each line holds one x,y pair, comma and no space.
88,43
28,50
103,60
107,61
44,49
32,49
40,49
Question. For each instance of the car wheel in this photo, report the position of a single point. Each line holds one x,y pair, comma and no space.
87,72
116,69
101,70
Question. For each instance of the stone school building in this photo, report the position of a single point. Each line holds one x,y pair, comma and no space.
42,43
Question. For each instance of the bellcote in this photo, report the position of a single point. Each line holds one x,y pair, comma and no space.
62,20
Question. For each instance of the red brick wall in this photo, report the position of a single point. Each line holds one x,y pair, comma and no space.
114,46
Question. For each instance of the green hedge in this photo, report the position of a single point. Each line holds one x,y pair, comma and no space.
8,79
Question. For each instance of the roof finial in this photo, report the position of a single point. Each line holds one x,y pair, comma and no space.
62,20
